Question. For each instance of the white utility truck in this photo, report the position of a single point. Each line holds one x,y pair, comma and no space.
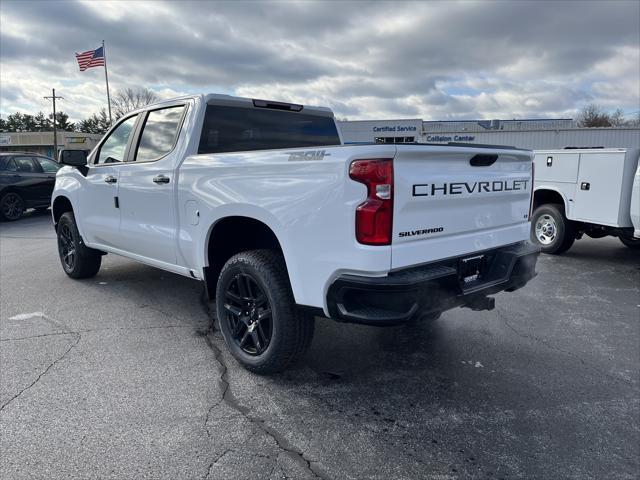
262,202
592,191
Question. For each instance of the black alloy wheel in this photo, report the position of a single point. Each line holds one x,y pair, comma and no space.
12,206
257,313
248,314
66,247
78,260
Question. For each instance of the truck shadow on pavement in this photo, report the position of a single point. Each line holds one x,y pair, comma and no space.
522,391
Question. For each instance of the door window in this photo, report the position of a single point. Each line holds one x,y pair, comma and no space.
115,146
24,164
48,166
159,133
11,166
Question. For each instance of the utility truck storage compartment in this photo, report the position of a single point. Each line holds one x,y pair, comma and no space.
596,183
557,166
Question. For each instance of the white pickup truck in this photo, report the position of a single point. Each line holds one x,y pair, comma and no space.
262,202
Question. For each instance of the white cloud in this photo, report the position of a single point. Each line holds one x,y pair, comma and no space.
435,60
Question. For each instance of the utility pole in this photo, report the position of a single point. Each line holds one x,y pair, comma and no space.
55,134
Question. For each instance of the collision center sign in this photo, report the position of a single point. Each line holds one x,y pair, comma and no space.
450,138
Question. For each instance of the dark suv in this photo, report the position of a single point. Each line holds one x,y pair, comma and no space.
26,181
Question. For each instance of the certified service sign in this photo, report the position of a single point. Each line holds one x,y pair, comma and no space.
398,127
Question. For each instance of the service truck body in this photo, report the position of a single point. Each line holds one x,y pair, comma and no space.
594,191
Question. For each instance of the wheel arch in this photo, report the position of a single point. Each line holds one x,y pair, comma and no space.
12,189
233,234
546,195
8,189
60,205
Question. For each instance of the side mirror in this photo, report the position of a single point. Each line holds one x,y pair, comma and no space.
74,158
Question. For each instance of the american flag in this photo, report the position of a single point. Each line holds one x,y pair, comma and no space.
90,58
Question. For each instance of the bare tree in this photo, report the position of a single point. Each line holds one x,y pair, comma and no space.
131,98
593,116
617,118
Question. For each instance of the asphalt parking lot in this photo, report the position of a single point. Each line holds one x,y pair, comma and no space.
119,377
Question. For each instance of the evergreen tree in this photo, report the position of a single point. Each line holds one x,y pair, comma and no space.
96,123
42,123
15,122
62,122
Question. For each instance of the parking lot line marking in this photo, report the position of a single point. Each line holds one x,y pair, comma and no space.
26,316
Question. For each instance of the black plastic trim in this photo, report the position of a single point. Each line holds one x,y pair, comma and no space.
291,107
483,160
481,145
315,311
410,293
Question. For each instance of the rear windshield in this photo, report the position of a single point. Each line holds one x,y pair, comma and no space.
235,129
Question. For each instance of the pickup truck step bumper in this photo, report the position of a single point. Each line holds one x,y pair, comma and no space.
411,293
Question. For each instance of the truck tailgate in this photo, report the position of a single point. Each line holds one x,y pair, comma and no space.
450,201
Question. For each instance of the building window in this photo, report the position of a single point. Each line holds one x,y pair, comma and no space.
395,139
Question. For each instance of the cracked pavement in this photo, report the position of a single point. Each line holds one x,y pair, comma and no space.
119,376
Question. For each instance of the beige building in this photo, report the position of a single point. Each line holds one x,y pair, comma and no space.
42,142
534,134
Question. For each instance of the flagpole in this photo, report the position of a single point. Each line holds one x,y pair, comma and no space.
106,79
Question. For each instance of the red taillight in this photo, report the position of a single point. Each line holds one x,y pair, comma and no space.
533,172
374,217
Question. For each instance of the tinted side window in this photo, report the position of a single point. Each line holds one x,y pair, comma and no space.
159,133
25,164
48,166
10,166
114,147
234,129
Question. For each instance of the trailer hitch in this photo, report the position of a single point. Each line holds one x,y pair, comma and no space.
481,303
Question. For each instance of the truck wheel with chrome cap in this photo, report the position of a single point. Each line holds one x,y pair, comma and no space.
551,230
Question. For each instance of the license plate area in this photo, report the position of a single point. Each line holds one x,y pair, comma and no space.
471,270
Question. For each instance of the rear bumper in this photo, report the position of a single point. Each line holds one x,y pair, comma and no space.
414,292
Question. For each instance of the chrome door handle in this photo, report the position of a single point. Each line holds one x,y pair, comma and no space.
110,179
160,179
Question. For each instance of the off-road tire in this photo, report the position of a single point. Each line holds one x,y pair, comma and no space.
86,261
291,330
565,233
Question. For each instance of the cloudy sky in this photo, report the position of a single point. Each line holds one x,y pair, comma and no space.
430,60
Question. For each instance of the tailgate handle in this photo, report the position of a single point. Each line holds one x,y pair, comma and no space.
483,160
